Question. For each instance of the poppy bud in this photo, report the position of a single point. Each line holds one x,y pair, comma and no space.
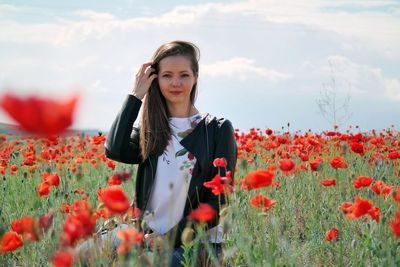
187,236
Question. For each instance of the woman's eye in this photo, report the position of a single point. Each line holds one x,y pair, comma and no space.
185,75
166,75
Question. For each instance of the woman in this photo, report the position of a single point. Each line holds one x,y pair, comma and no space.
175,144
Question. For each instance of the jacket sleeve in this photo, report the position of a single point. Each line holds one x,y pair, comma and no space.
225,147
122,142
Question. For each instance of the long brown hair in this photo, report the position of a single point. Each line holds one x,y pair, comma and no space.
154,131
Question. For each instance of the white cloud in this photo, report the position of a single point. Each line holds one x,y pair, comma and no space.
352,77
243,69
378,30
393,89
92,15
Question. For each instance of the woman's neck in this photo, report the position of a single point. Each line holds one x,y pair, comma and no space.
182,111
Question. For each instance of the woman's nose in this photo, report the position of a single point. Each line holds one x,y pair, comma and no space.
176,82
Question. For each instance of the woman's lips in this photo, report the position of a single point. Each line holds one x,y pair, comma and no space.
176,92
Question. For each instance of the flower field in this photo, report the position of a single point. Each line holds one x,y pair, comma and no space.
299,199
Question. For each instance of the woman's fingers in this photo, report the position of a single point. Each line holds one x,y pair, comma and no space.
144,67
144,78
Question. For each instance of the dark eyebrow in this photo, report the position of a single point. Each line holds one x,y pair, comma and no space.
167,71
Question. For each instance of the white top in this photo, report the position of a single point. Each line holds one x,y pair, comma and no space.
172,179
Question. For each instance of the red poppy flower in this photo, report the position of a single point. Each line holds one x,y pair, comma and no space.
114,180
332,234
220,162
380,187
115,199
111,164
43,189
41,116
65,208
62,259
98,139
26,226
339,162
13,168
286,165
129,237
360,208
328,182
346,207
396,196
260,201
79,224
374,213
259,179
357,148
219,184
203,213
51,178
316,164
10,241
118,178
268,131
362,181
395,224
393,155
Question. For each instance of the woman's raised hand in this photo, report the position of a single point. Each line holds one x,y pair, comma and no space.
144,78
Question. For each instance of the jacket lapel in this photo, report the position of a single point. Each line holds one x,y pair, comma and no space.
197,142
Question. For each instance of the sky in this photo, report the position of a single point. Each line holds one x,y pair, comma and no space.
263,63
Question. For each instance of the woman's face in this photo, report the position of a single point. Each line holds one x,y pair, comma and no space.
176,80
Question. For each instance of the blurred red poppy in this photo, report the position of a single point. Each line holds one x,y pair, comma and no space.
357,148
316,164
359,208
328,182
379,187
29,228
38,115
43,189
114,199
79,224
62,259
203,213
51,178
259,179
129,237
286,165
219,185
395,224
10,241
332,234
260,201
362,181
374,213
346,207
339,162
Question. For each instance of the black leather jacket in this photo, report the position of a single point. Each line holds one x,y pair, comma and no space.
212,138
